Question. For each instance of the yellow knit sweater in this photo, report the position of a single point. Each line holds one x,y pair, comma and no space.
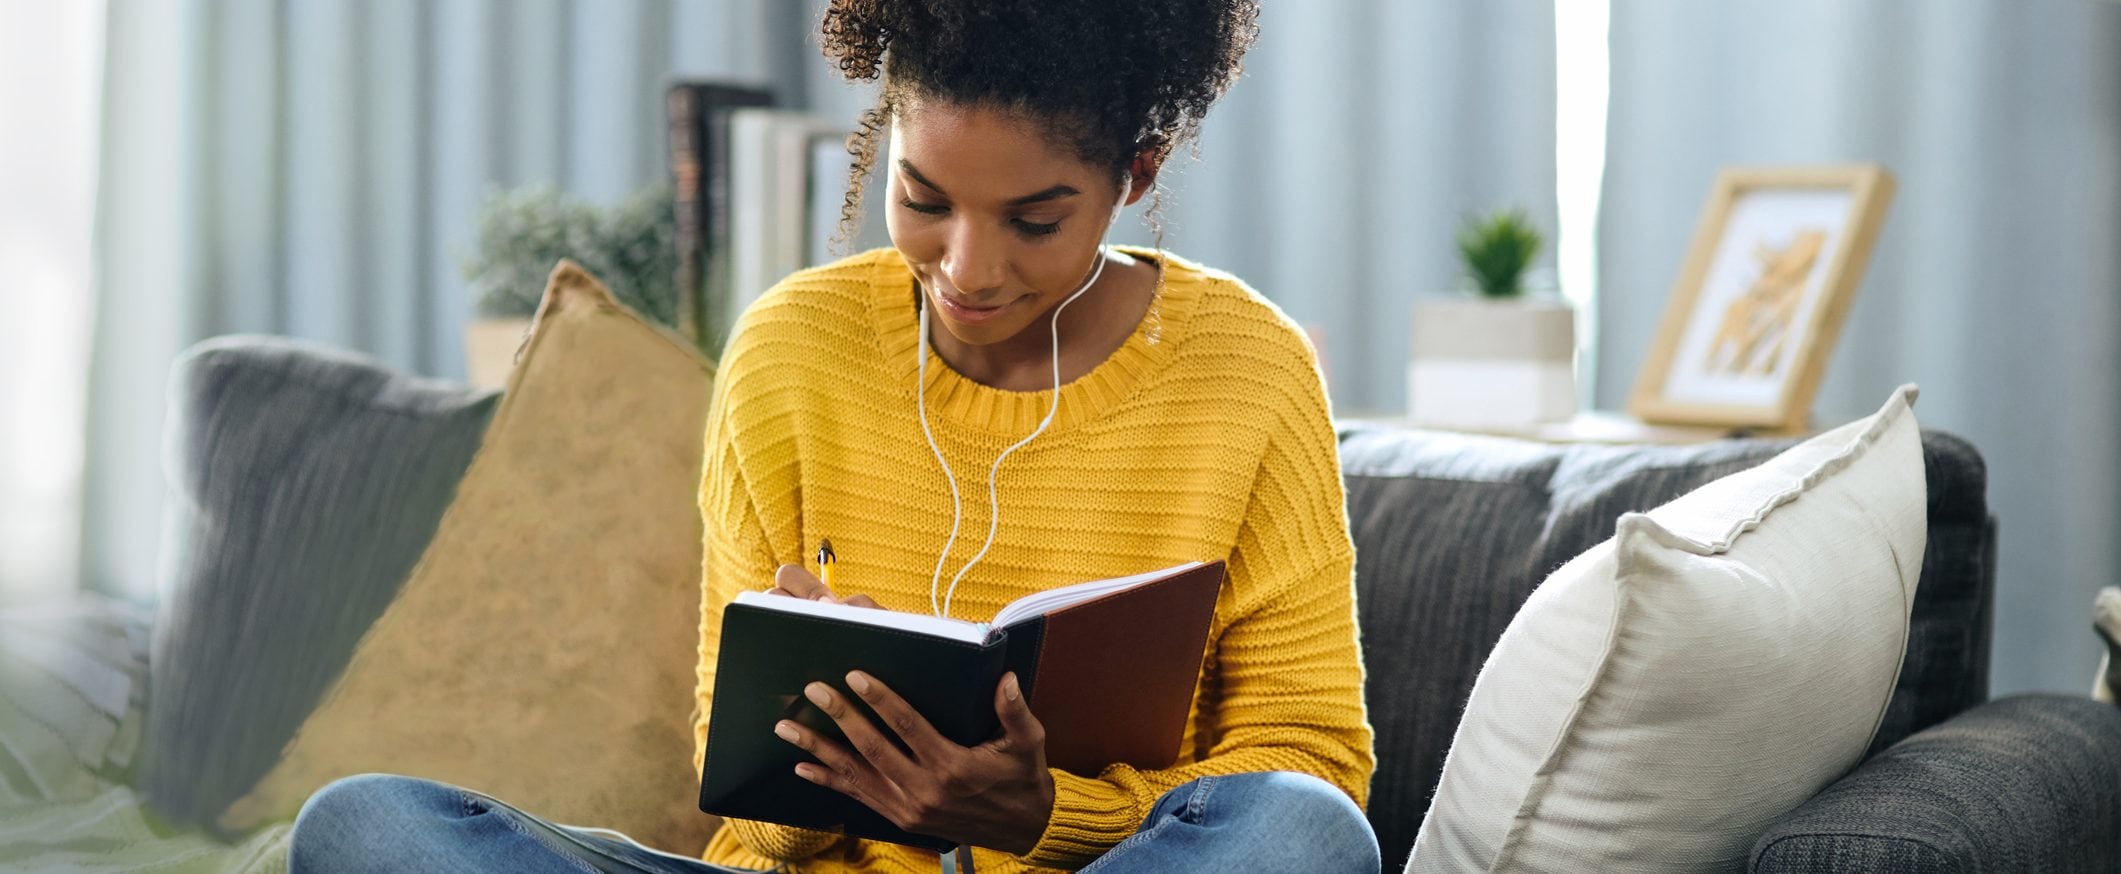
1205,436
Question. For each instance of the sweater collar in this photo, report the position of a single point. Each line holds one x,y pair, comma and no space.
1002,414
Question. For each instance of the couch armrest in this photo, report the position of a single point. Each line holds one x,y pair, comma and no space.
2027,783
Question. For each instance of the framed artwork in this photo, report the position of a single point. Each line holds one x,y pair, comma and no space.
1761,296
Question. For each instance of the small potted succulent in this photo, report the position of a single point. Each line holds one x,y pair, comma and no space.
631,247
1498,354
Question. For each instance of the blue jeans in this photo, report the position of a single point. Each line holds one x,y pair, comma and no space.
1276,821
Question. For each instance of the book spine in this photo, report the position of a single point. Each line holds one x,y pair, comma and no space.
687,134
984,674
697,117
827,170
716,222
1020,651
791,167
751,202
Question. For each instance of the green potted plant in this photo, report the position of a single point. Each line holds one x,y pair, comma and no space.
1497,355
1497,251
630,246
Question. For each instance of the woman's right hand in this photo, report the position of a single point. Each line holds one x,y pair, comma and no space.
794,581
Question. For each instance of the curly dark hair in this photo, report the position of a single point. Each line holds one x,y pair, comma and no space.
1114,78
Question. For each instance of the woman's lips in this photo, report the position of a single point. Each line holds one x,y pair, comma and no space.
967,314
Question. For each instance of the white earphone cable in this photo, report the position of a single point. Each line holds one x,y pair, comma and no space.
920,392
942,608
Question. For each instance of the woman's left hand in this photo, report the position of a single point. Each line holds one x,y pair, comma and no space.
997,794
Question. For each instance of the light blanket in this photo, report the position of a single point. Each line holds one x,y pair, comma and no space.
73,678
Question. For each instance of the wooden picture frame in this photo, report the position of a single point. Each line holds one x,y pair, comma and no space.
1760,299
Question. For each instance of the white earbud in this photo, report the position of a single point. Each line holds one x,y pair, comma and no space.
941,605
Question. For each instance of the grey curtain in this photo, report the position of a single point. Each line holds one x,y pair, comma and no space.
1333,176
1994,284
313,169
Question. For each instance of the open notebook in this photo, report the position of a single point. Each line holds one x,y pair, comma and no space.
1109,668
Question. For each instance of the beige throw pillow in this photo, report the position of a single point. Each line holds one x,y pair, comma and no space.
1662,698
543,650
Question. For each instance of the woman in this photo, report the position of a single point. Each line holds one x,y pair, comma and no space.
903,403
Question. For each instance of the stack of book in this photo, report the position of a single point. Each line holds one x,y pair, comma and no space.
759,192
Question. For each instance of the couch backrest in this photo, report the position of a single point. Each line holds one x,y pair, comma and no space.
1452,533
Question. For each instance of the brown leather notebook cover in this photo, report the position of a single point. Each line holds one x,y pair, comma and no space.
1112,679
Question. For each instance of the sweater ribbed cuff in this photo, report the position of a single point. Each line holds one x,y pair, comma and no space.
1089,816
779,842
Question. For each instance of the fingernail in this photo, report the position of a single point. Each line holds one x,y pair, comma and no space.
818,694
825,598
806,772
1009,689
786,730
859,682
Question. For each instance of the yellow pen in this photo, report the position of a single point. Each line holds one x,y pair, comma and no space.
825,561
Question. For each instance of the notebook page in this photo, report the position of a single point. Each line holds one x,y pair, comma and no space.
1053,599
934,626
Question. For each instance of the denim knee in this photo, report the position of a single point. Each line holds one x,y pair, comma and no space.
353,817
1266,821
1313,819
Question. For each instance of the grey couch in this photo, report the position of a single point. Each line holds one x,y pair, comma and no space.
1452,533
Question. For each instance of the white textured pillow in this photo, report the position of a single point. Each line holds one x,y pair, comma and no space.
1665,696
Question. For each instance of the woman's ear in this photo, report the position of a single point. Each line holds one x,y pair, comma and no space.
1141,174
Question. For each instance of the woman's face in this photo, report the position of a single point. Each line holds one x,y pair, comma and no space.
999,223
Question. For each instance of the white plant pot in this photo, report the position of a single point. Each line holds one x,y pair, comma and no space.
1491,363
490,349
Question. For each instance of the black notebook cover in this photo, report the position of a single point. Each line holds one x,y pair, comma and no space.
768,656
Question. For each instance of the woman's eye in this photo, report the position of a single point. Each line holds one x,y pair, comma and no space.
923,208
1035,229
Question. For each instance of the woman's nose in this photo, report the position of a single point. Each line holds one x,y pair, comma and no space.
972,261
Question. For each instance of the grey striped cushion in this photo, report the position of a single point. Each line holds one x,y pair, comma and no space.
305,483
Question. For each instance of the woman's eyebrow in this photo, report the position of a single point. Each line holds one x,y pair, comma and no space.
907,166
1053,193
